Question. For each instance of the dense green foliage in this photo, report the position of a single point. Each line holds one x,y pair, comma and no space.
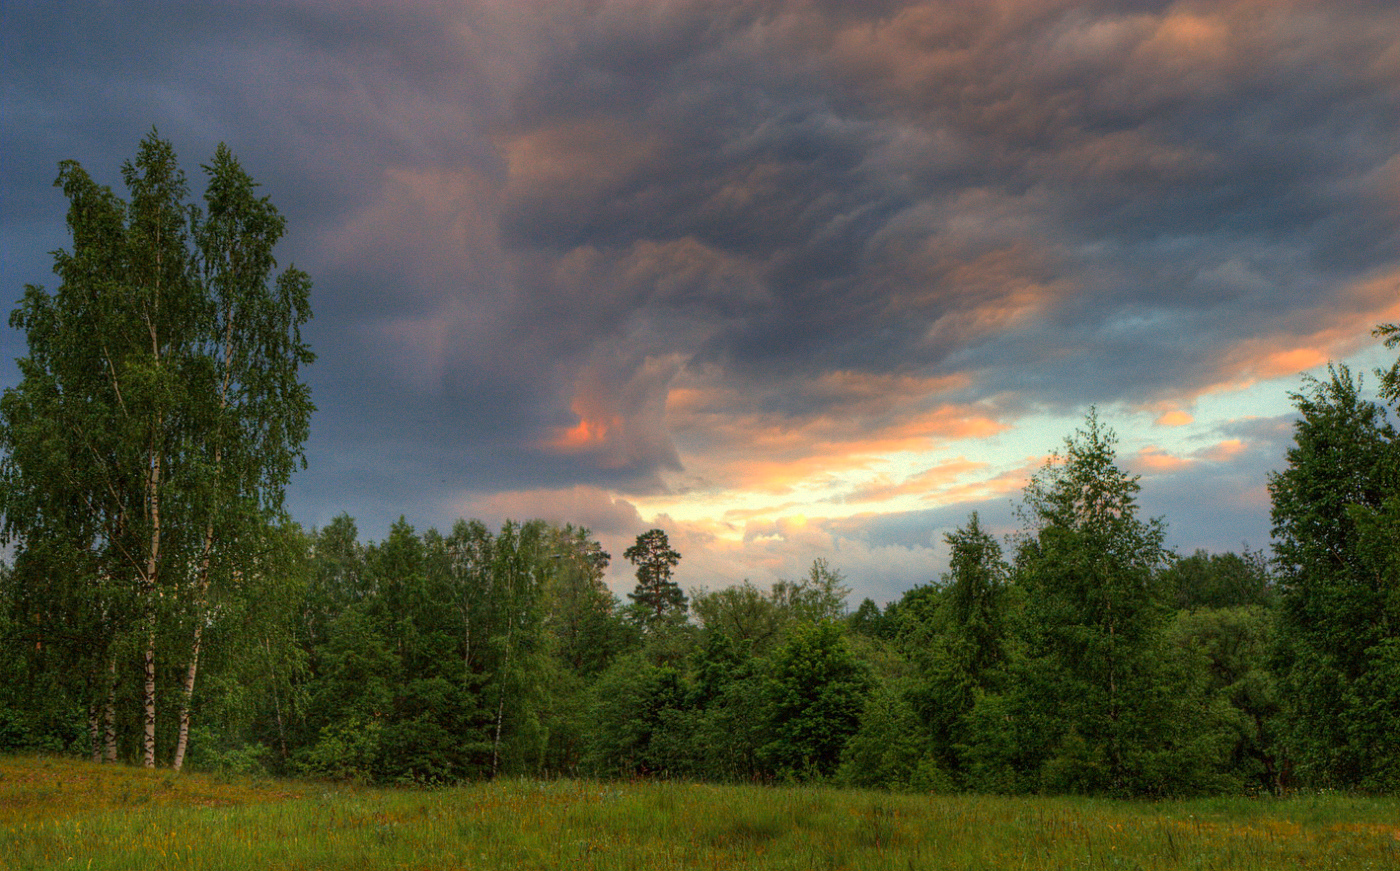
1091,697
1336,513
159,416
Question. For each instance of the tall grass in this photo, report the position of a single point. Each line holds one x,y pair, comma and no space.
65,814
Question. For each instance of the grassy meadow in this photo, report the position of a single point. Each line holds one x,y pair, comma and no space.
59,813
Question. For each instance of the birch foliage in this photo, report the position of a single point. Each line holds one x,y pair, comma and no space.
159,413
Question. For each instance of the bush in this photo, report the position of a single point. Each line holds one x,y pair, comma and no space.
349,750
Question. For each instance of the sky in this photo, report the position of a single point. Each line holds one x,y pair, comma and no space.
789,279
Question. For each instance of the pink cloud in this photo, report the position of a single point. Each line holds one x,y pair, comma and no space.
1175,417
1154,459
929,484
1225,451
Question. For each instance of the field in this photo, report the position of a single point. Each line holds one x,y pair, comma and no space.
57,813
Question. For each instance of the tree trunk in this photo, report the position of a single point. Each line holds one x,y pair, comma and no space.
109,714
496,743
504,674
148,696
500,707
187,694
94,730
276,701
102,728
201,593
202,580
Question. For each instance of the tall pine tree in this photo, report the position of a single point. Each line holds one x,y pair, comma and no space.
656,595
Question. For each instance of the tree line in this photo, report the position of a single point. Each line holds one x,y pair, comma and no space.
161,607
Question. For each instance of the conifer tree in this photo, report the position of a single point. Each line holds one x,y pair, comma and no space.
656,594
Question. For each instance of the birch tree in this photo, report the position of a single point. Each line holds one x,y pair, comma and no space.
1094,617
159,412
90,431
256,411
1336,524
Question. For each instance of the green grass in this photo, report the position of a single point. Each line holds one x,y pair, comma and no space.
69,814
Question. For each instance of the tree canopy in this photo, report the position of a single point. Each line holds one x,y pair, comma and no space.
656,594
1336,514
159,413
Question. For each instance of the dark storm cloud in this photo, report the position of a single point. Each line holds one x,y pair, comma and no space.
529,222
1181,175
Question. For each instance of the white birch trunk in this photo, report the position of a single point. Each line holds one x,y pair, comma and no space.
202,581
94,730
187,690
276,701
148,696
109,714
153,493
183,741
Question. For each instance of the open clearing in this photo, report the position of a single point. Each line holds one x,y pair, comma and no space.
59,813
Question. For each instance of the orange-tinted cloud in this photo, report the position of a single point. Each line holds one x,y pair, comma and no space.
1185,42
1314,335
1154,459
879,392
845,420
744,514
1175,417
591,433
1224,451
621,416
771,453
576,158
999,291
600,511
929,484
1129,156
676,272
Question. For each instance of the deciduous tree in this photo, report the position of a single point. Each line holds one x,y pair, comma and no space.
817,690
159,411
1336,521
1093,689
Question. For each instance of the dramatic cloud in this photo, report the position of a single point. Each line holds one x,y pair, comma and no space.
798,278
